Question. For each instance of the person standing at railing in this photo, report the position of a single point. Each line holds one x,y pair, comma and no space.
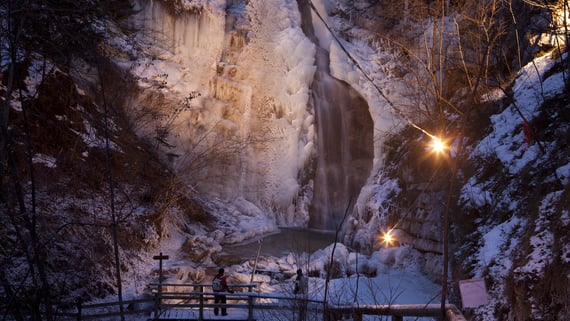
302,290
220,285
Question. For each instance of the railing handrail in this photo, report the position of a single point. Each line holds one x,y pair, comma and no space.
235,295
412,310
105,304
231,285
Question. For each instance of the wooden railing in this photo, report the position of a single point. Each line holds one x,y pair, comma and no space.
396,311
198,298
104,310
250,305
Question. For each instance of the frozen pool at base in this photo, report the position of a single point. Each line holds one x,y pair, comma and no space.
287,240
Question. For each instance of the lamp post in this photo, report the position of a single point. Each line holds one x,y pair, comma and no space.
439,147
445,273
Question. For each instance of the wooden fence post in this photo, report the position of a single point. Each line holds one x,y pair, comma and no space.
156,305
201,310
159,295
250,307
78,310
160,258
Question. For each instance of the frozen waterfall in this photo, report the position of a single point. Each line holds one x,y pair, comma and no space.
344,139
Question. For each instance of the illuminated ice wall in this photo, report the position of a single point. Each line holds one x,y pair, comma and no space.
250,129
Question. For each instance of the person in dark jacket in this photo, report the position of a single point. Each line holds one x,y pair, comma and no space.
220,285
301,291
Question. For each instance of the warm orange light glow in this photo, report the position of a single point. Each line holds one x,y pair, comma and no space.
437,145
388,238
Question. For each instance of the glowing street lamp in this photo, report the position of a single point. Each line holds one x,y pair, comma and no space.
388,238
437,145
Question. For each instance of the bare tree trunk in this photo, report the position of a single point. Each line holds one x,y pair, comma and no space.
12,35
26,221
112,197
331,262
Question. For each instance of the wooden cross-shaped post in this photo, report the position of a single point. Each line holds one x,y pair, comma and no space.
160,258
157,301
